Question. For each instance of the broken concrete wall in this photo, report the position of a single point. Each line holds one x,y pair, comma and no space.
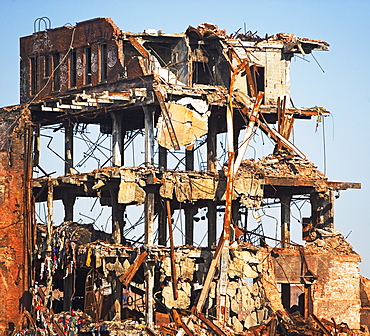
15,209
365,301
271,70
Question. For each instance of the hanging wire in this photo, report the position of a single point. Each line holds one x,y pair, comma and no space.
55,69
317,62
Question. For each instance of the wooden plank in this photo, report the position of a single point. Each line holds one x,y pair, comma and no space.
210,275
321,325
141,49
131,271
180,323
210,324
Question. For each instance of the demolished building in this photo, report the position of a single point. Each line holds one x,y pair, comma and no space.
180,92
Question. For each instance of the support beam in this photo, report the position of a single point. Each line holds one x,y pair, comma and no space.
212,220
285,220
149,241
236,141
117,137
190,211
189,159
149,217
117,297
118,223
69,290
307,301
235,216
212,143
149,134
68,148
50,224
172,250
162,227
118,210
68,202
245,223
50,207
162,157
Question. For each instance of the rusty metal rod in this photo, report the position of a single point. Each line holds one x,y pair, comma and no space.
248,132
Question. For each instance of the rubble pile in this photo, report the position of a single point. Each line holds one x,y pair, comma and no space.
282,164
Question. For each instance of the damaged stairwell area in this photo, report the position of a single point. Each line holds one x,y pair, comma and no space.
166,104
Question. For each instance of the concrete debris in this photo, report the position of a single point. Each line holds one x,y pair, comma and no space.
188,126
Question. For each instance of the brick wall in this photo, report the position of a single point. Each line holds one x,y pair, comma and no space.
14,231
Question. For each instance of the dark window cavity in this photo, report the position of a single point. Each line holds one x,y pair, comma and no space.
103,63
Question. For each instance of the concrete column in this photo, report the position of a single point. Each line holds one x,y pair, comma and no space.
118,210
245,223
162,225
117,297
189,160
163,157
212,143
235,217
149,134
162,218
285,220
68,202
212,220
190,211
117,139
149,241
68,148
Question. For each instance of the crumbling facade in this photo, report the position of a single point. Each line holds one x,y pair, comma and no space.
180,92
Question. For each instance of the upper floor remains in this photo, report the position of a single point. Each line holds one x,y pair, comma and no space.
95,55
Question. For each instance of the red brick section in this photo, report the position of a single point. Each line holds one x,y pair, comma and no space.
365,301
336,291
88,34
14,219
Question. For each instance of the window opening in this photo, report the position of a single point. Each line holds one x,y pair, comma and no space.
34,71
103,63
47,66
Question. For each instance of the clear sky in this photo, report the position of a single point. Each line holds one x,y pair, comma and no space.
343,89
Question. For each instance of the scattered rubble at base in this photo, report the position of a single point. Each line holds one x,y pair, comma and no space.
254,300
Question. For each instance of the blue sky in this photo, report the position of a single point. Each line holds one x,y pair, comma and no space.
344,88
